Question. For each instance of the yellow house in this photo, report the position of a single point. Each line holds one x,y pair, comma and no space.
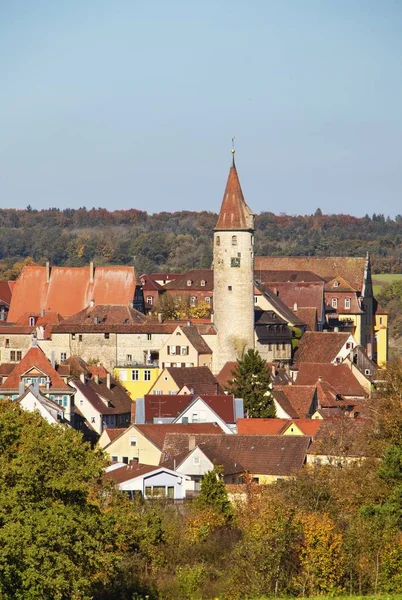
185,348
381,336
137,379
144,443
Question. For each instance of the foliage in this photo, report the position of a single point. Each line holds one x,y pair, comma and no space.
213,494
251,380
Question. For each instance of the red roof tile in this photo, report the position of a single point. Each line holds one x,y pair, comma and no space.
234,215
156,433
321,347
35,358
340,377
276,426
5,291
300,397
70,289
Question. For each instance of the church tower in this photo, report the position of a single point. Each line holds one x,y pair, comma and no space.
233,274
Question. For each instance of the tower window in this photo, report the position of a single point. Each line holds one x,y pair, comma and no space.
218,240
235,262
229,288
234,240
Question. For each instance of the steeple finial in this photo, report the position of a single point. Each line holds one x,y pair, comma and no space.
233,151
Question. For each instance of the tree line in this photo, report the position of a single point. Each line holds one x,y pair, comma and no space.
66,533
178,241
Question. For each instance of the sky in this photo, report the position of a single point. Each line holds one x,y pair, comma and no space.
133,104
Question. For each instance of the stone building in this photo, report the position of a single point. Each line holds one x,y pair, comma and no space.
233,254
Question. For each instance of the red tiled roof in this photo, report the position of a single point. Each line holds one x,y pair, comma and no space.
350,268
114,432
156,433
196,276
341,437
192,376
321,347
118,400
110,318
5,291
69,289
234,215
301,295
195,339
270,277
276,426
300,398
308,316
35,358
259,454
340,377
225,374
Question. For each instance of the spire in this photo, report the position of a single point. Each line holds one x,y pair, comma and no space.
234,215
367,290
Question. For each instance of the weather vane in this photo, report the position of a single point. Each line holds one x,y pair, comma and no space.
233,148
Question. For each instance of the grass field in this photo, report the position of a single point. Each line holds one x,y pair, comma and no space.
379,281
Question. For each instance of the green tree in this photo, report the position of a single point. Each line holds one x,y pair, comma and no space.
251,380
214,495
56,538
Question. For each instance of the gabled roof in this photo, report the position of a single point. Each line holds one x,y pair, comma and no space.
195,339
225,374
171,406
234,215
279,306
276,426
340,377
35,358
339,284
308,316
270,277
109,318
299,398
350,268
117,399
342,437
258,454
192,376
131,471
156,433
196,277
301,295
70,289
321,347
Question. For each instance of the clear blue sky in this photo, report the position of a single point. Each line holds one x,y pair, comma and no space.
127,103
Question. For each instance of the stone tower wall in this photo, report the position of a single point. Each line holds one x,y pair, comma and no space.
233,294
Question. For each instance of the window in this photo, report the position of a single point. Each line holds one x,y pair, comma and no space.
334,302
115,459
336,283
208,301
235,262
149,337
12,355
195,418
184,350
203,282
255,299
133,440
107,336
135,375
380,320
32,321
129,358
125,460
19,355
7,343
189,282
367,372
229,288
63,356
147,375
193,300
234,240
80,338
73,336
172,349
149,300
42,380
92,419
81,402
196,460
218,240
347,302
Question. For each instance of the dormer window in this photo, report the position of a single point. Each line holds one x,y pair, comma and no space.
189,282
32,321
203,282
234,240
336,283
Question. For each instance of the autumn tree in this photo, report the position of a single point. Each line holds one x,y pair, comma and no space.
251,381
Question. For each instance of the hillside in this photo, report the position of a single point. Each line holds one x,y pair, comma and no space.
182,240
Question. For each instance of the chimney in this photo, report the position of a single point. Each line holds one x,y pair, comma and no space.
108,380
96,378
319,378
336,329
53,359
92,303
42,312
295,306
48,269
132,419
191,442
91,272
160,318
82,377
212,316
21,388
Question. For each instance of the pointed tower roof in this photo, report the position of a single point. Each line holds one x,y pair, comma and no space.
234,215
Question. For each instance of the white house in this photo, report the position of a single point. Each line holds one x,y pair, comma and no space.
148,480
32,400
